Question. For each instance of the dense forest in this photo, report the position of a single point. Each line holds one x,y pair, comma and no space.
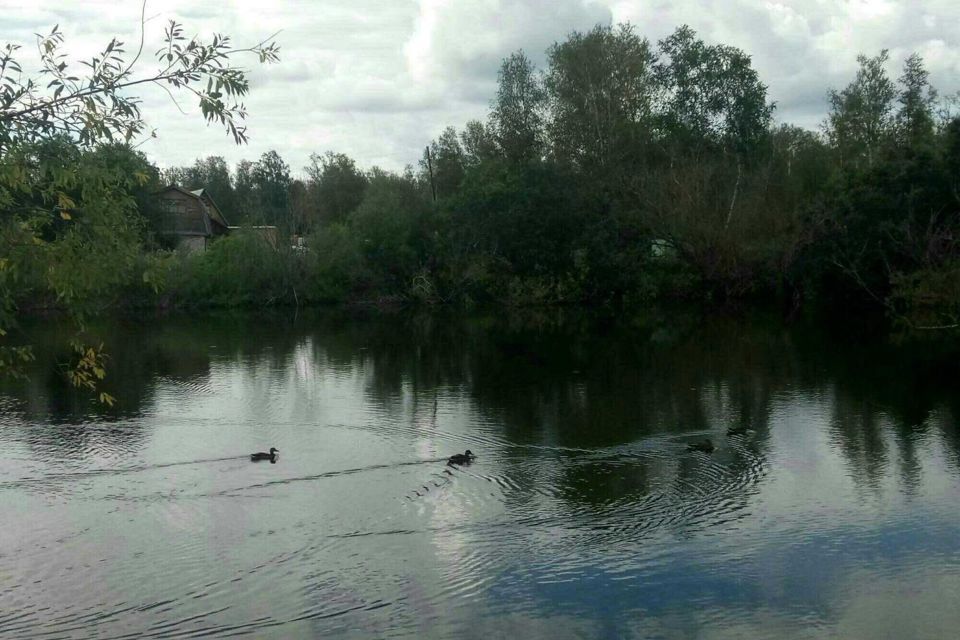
625,171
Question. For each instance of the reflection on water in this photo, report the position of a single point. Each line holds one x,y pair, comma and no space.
831,511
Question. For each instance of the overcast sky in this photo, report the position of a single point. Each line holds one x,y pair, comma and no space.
377,79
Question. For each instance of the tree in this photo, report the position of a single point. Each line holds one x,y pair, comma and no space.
301,207
710,94
917,98
601,90
125,160
245,193
443,164
68,224
479,143
527,217
859,121
388,226
69,235
336,186
952,156
802,159
517,115
270,177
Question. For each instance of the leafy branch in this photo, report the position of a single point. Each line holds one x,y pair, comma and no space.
95,105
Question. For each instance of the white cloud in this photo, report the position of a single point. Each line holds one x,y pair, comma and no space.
377,80
803,48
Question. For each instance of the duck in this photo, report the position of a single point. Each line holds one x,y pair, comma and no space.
705,446
737,431
260,455
461,458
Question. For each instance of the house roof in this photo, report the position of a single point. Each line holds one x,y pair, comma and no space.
210,207
215,213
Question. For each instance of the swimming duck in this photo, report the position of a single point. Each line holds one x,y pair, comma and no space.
260,455
704,446
462,458
737,431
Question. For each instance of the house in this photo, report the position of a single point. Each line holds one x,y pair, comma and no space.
190,219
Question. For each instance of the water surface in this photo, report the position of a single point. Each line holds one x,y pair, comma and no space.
834,515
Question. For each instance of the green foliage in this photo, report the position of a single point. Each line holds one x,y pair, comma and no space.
622,172
895,217
628,172
928,296
70,233
243,269
94,105
245,194
270,177
443,164
336,268
391,229
518,112
711,94
336,187
860,117
88,369
70,222
601,88
526,216
479,143
917,99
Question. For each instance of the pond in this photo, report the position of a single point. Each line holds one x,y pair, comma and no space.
831,511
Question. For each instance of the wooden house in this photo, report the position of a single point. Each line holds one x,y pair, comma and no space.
190,219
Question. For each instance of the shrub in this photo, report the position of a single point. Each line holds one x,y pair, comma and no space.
238,270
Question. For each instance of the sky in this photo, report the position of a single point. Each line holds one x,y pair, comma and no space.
377,79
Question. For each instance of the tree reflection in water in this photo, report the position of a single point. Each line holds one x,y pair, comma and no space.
585,508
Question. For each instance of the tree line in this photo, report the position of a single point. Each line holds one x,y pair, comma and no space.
627,170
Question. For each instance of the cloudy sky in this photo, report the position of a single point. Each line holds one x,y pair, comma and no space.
376,79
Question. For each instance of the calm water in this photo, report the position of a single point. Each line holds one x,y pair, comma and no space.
584,515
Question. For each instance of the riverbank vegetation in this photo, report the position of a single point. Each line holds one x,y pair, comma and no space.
624,171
